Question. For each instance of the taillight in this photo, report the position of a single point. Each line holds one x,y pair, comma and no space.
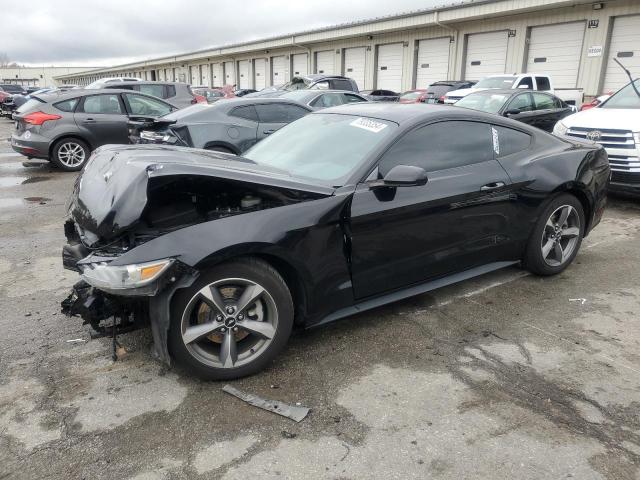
442,99
199,99
38,118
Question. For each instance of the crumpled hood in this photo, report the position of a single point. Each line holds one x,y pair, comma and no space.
110,195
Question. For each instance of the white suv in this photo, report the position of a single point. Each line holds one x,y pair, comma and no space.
615,124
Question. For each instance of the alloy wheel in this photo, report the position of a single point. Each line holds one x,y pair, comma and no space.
229,323
71,154
560,235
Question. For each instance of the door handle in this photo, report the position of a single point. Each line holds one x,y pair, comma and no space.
268,132
89,120
491,186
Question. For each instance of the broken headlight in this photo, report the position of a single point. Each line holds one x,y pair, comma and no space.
123,277
157,137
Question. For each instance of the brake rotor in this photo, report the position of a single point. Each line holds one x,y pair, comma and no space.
230,295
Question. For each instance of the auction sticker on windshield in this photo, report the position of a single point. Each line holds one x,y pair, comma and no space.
368,124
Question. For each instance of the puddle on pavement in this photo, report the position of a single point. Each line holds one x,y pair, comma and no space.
11,181
34,180
21,165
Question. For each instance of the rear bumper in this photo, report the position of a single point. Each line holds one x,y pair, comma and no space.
30,148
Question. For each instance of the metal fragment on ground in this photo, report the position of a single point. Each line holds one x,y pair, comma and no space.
290,411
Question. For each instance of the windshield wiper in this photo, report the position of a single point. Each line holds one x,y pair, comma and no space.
633,82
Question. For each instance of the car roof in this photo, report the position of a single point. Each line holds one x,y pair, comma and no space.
503,91
146,83
60,95
314,77
406,114
255,101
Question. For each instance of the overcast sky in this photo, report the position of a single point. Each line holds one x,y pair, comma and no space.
96,33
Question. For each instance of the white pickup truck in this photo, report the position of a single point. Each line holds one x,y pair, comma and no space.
615,124
529,81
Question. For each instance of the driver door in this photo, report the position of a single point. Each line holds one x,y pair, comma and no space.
407,235
102,120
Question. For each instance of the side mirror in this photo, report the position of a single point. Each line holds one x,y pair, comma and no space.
513,111
402,176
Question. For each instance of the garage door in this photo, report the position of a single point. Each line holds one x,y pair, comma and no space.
433,61
625,46
389,70
204,74
229,74
217,76
300,64
195,75
260,73
355,60
556,50
243,70
486,55
325,62
279,70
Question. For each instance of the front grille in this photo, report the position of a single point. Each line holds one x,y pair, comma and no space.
625,177
620,145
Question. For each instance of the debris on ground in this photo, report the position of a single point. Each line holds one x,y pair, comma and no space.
286,434
76,340
581,300
296,413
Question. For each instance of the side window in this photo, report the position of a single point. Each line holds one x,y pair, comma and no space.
543,102
154,90
431,148
351,98
329,100
526,82
170,91
248,112
341,84
522,102
543,84
558,103
507,141
279,112
105,104
141,105
67,105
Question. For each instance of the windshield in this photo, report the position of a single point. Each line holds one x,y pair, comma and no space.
496,82
12,88
626,97
295,84
485,103
322,147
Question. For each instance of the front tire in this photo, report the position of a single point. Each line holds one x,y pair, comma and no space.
557,236
70,154
232,321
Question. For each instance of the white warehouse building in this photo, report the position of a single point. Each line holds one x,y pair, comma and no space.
574,41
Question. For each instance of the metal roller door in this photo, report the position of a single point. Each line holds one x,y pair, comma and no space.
217,75
556,51
300,64
195,75
204,74
625,46
260,73
325,62
229,74
486,55
279,70
355,61
243,71
389,69
433,61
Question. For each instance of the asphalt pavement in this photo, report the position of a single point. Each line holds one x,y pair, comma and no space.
507,376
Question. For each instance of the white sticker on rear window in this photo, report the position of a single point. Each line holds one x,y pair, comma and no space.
369,124
496,141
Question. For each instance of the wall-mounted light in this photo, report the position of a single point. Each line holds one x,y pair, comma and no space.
598,6
405,44
512,33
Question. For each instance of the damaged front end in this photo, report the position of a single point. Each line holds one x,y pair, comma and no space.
126,199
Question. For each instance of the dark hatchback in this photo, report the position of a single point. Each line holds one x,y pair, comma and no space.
539,109
344,210
436,91
231,126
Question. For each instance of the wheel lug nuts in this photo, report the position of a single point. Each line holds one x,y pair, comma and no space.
235,329
223,329
230,310
219,318
240,316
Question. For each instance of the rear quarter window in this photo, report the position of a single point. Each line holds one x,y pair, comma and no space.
247,112
507,141
67,105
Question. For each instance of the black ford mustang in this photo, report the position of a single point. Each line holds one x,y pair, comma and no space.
341,211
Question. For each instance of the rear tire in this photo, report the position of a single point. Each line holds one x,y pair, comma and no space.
70,154
241,337
556,237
